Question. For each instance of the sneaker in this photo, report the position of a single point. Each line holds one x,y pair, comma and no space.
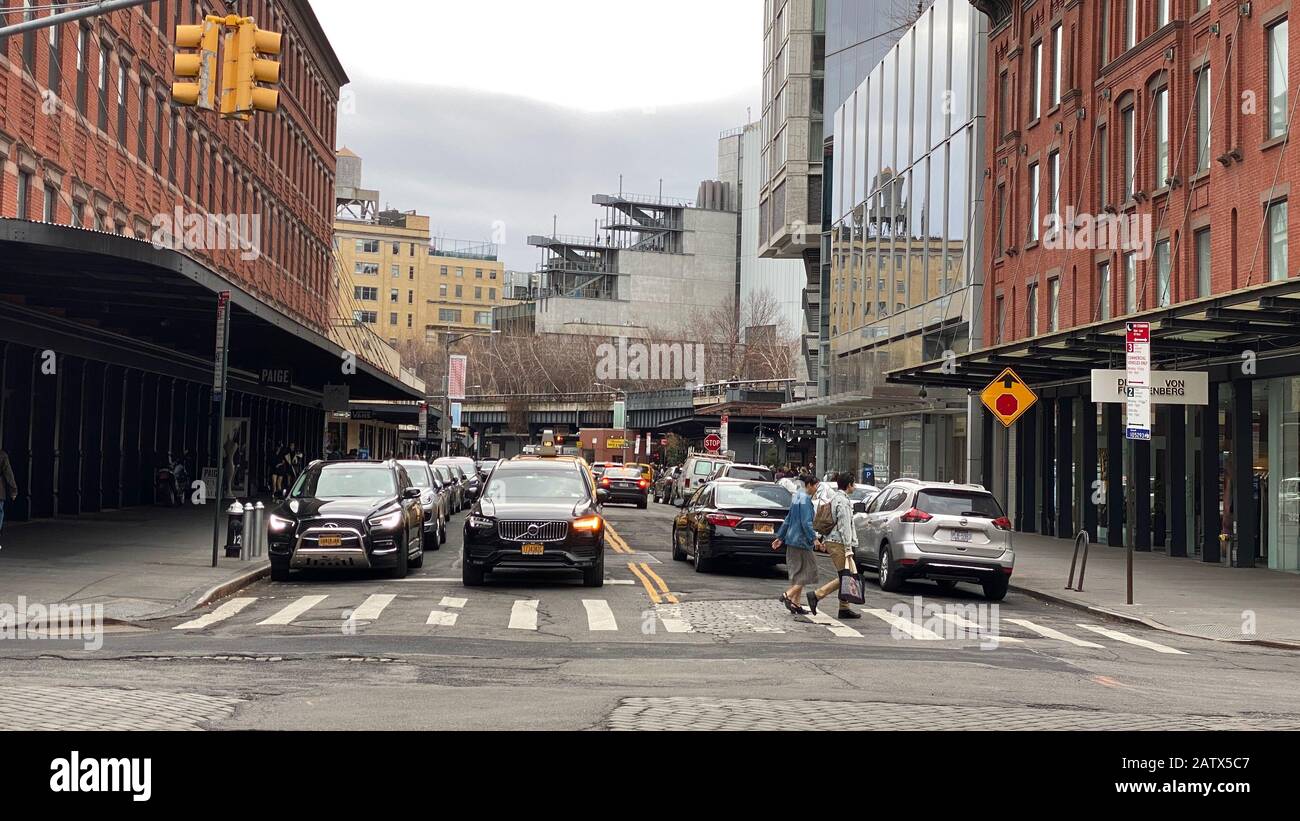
812,602
849,614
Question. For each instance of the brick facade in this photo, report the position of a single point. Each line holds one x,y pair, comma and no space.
1101,76
117,170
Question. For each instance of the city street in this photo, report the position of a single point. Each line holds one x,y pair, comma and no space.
659,646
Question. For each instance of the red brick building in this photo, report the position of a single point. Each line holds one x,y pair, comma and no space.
108,308
1170,118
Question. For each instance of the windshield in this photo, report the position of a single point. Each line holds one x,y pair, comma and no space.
755,474
344,482
703,468
623,473
959,503
419,473
443,473
769,496
517,485
863,493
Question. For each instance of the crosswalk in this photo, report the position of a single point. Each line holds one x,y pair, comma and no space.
599,616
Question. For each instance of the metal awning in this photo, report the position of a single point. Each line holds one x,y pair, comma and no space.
1263,318
883,400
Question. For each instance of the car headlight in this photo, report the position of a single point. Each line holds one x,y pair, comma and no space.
278,524
481,522
388,521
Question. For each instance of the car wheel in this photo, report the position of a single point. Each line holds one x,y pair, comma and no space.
418,561
946,585
280,570
996,590
595,576
440,537
890,581
400,571
643,503
679,555
703,564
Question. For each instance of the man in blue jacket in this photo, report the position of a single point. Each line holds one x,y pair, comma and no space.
800,541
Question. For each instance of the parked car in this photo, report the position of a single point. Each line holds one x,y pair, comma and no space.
945,532
452,484
465,466
348,515
663,486
624,484
696,471
598,468
536,512
485,467
733,520
738,470
432,498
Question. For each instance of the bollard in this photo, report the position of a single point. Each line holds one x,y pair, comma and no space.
234,530
259,528
249,529
1080,542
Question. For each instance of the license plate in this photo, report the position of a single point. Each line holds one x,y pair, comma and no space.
331,541
961,535
533,549
764,529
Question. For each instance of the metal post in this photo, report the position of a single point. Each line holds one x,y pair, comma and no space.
247,536
219,414
103,7
259,527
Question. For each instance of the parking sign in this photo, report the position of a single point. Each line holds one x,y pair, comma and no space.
1137,380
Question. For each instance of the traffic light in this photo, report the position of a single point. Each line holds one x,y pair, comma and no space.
199,65
257,76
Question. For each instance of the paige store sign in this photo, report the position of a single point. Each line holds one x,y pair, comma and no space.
1167,387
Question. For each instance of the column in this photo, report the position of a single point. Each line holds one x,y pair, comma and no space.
1210,545
1114,475
1176,477
1065,467
1047,441
1244,507
1088,453
1142,491
1027,470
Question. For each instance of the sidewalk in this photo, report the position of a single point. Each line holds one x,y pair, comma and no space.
1179,595
139,562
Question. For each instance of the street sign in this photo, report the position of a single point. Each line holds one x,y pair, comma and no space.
1167,387
219,360
713,443
1007,397
455,414
1137,380
424,420
337,398
616,444
726,420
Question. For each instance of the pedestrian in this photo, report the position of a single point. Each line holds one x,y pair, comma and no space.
840,543
799,539
8,485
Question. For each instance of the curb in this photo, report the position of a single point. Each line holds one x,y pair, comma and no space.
1146,622
193,602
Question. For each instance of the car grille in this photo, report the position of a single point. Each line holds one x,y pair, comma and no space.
533,531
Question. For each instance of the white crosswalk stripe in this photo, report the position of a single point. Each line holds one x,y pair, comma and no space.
599,615
372,608
836,627
904,626
1048,632
448,601
223,612
1134,640
441,618
523,615
293,611
974,627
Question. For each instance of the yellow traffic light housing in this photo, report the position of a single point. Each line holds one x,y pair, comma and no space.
257,76
199,65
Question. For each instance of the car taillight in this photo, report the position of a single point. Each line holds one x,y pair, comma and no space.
723,519
915,516
688,481
1002,523
588,524
644,484
604,483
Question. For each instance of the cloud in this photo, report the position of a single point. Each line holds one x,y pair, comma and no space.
470,159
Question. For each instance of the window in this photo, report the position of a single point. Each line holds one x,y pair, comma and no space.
396,271
82,35
1105,32
1004,104
1162,13
103,86
443,271
1130,282
1103,291
1278,62
448,315
393,295
492,274
366,294
999,332
460,272
1054,193
492,294
369,269
368,317
367,246
410,297
1203,262
397,247
1130,155
460,291
442,290
410,271
1031,309
392,319
51,204
1162,263
1054,305
1203,119
78,209
482,317
29,38
1001,245
56,59
1277,223
1034,183
1103,167
478,273
478,294
1161,111
1036,81
410,321
122,68
24,193
1056,65
1130,23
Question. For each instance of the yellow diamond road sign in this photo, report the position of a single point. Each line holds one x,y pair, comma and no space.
1008,397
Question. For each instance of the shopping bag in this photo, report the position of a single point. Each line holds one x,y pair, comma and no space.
851,588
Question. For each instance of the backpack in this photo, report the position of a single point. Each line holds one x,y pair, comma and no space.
824,520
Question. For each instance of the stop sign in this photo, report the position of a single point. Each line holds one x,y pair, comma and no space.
713,443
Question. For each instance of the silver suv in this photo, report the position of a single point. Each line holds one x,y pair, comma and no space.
945,532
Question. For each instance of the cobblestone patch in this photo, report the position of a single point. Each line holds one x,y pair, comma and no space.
109,708
690,713
725,619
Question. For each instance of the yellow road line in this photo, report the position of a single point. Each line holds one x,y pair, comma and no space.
649,588
620,546
662,584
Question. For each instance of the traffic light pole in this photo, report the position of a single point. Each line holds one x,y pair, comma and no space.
105,7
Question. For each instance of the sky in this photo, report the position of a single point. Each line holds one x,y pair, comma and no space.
496,116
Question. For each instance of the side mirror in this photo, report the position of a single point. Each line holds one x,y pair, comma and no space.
859,507
411,493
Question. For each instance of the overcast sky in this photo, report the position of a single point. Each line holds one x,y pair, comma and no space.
506,112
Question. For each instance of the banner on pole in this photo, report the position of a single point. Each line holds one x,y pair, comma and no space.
456,367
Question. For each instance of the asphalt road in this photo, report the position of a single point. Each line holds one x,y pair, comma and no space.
659,646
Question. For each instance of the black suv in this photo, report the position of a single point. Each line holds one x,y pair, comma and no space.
536,512
348,515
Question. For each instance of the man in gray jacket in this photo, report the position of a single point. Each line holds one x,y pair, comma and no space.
8,485
840,543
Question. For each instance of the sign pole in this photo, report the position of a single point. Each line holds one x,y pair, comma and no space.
1137,386
220,360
